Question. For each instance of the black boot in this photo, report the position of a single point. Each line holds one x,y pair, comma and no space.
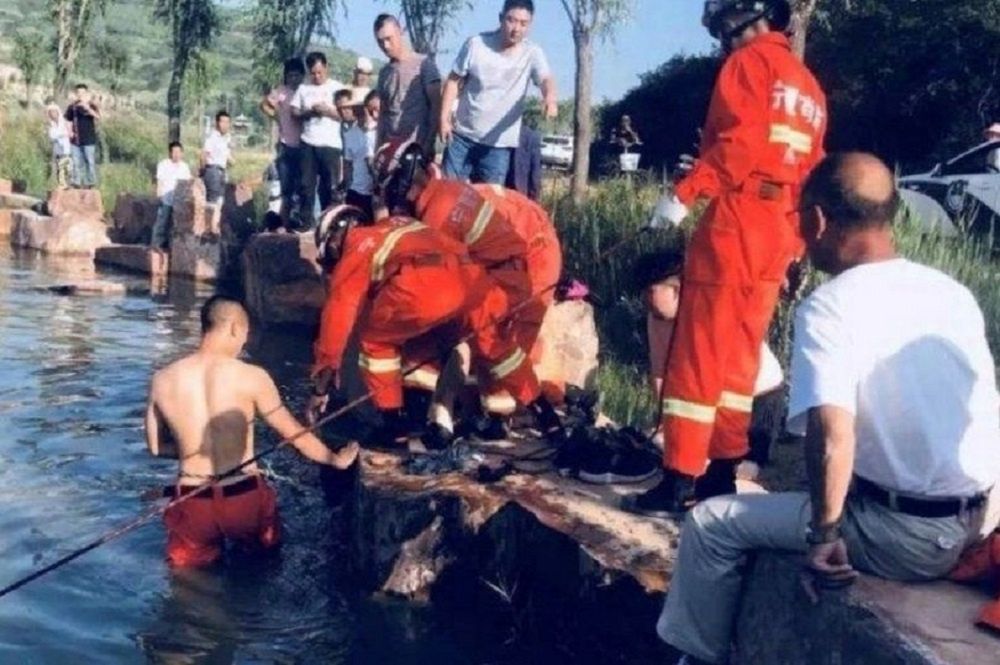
392,430
416,402
719,479
547,420
436,437
493,427
674,495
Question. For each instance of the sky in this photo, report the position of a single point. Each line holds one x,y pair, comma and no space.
658,30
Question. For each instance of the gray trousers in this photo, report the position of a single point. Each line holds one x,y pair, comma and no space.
704,594
215,183
161,228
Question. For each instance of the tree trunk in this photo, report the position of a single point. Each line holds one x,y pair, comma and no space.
801,17
61,69
582,121
174,108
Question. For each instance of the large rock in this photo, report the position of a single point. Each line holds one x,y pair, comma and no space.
567,347
237,227
134,217
65,235
76,205
282,282
195,243
134,258
18,201
6,222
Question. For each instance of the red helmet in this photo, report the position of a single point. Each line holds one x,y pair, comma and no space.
777,12
333,226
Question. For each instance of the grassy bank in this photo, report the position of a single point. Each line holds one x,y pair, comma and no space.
618,208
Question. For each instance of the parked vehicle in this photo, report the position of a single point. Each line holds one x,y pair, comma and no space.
968,188
557,151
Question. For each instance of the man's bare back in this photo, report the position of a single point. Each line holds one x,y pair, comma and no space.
201,408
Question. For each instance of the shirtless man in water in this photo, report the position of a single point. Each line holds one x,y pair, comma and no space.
200,411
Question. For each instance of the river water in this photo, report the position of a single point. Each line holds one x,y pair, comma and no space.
73,463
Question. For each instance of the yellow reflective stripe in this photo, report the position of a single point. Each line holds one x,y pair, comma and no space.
796,140
498,189
422,378
506,367
380,365
501,403
736,402
689,410
382,255
479,226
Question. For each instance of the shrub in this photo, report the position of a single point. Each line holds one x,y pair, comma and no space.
24,152
135,140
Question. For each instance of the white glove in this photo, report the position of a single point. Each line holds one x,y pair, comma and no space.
669,211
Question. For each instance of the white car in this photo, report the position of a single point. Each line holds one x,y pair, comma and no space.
557,150
968,187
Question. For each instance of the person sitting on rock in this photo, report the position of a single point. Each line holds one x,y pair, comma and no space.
894,387
201,411
169,172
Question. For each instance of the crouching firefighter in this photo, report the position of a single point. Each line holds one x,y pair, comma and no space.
397,280
763,135
409,185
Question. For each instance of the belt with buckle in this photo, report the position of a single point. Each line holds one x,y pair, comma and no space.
926,507
248,484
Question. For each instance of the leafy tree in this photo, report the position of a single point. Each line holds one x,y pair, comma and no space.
194,24
590,20
802,13
29,55
73,20
283,29
204,75
427,20
114,60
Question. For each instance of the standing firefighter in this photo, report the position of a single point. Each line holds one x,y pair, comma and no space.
763,135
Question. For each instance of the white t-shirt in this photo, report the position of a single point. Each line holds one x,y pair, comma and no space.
59,137
168,174
359,147
902,347
217,149
319,131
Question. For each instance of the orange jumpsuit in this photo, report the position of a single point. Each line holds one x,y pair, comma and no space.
507,377
763,135
402,280
544,267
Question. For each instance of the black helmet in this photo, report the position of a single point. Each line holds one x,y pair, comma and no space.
777,12
396,164
334,224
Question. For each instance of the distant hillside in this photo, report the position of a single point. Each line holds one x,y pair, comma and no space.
131,24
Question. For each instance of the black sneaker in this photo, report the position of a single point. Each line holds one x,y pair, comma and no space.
547,420
573,452
674,495
485,428
608,465
436,437
719,480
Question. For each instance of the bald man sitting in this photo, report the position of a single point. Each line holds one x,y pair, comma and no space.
893,386
201,411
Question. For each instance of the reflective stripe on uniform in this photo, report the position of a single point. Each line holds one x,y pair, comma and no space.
479,226
500,403
421,378
382,255
689,410
498,189
380,365
736,402
509,365
796,140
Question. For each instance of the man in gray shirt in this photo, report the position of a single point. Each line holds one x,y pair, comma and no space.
489,80
409,88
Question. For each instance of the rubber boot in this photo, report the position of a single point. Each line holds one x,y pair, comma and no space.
437,437
672,496
719,480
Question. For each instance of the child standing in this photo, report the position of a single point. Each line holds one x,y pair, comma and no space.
59,138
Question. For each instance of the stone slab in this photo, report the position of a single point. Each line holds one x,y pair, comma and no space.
134,217
282,283
14,201
76,205
138,259
80,237
6,222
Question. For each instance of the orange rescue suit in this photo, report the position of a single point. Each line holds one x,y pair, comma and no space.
763,135
458,210
402,280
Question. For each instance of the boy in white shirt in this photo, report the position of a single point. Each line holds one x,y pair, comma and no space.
216,157
169,172
322,147
59,137
359,149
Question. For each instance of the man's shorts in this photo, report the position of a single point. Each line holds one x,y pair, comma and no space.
244,513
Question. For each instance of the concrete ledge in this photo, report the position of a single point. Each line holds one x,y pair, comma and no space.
138,259
18,201
64,236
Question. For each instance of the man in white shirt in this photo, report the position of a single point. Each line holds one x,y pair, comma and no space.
359,148
216,157
894,387
169,172
489,80
322,147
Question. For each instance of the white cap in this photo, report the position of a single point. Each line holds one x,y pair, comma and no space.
364,65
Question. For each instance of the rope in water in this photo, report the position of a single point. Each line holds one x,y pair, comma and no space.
152,514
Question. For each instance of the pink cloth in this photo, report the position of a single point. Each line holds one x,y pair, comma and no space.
289,127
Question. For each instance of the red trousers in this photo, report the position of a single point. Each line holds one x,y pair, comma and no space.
418,302
734,267
198,528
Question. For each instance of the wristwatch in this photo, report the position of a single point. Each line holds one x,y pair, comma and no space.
822,535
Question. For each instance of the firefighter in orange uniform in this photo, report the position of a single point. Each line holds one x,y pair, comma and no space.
409,185
763,135
402,280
